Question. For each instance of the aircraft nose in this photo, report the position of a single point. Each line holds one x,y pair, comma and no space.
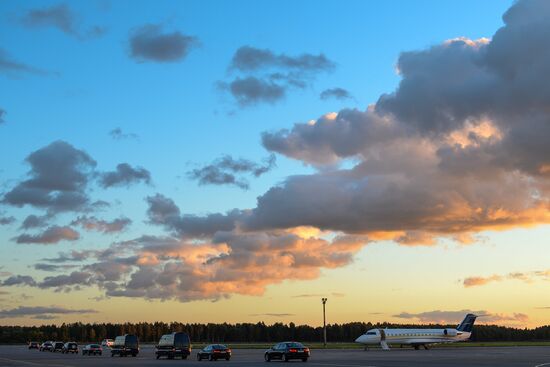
361,339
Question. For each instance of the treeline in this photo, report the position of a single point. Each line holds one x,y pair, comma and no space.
241,333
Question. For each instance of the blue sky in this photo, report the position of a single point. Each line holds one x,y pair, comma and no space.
177,117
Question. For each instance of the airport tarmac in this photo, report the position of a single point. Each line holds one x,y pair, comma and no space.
19,356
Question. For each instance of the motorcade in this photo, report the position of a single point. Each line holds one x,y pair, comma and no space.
34,345
125,345
57,347
173,345
92,350
286,351
46,346
70,347
107,343
214,352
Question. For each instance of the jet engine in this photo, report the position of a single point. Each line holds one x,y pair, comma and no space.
449,332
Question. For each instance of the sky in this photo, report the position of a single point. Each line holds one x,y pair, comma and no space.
214,161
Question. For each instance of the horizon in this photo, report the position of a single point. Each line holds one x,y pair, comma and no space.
211,161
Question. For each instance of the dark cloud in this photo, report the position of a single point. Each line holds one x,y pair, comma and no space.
163,211
71,256
60,16
118,134
149,43
50,236
6,220
229,171
52,268
266,77
25,311
65,282
336,93
249,58
125,175
99,225
15,68
35,221
57,181
19,280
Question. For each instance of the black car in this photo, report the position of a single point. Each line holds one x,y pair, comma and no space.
287,351
174,345
92,349
57,347
70,347
34,345
213,352
125,345
46,346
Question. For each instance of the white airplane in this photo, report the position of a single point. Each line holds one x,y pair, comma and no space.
418,337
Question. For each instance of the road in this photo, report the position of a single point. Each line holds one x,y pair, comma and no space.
20,356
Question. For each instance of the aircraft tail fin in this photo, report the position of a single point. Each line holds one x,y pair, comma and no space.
467,324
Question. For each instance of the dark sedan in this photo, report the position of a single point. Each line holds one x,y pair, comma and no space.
287,351
70,347
213,352
92,349
46,346
34,345
57,347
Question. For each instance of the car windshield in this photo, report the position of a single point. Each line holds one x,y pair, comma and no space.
219,346
94,346
294,345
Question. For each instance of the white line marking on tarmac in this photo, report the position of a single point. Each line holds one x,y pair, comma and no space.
34,363
544,364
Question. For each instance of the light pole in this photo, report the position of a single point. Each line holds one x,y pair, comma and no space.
324,300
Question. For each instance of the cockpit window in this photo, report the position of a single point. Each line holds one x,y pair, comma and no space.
371,333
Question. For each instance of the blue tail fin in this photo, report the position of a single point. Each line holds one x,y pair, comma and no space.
467,324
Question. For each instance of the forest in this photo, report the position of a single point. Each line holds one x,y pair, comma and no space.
242,332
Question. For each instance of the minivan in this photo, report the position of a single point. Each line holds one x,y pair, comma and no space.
125,345
174,345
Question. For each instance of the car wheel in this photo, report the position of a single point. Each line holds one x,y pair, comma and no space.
158,356
210,357
267,357
99,353
112,354
285,358
184,356
227,358
134,354
304,359
199,358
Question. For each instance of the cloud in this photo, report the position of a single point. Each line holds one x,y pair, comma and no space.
57,180
50,236
248,58
336,93
71,256
149,43
6,220
125,175
163,211
3,114
14,68
41,311
60,16
223,171
35,221
118,134
449,317
99,225
18,280
265,77
66,282
527,277
51,267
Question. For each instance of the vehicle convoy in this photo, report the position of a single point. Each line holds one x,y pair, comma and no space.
214,352
418,337
286,351
174,345
57,347
92,349
46,346
34,345
107,343
125,345
70,347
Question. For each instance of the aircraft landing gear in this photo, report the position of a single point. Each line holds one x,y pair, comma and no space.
416,347
426,347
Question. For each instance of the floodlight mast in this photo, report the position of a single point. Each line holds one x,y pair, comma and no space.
324,300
